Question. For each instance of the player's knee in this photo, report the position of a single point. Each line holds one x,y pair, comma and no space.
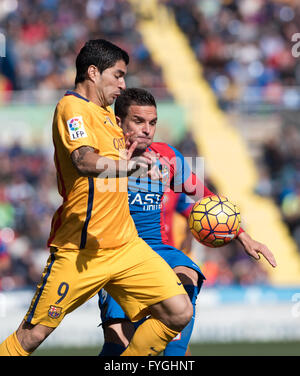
175,312
185,314
179,321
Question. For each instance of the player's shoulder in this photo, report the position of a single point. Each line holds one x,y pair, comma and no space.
164,149
70,101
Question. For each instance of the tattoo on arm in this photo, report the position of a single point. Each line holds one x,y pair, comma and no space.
78,155
88,163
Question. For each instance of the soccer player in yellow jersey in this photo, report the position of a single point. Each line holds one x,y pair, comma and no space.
93,240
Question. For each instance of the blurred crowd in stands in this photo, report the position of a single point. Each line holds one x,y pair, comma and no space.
43,38
245,49
281,175
244,46
28,199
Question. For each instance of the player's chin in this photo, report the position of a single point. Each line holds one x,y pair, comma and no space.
112,99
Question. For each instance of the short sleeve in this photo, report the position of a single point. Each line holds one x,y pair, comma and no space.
73,126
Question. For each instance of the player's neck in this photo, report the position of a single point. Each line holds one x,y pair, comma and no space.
87,91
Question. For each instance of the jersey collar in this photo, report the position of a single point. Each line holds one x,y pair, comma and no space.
71,92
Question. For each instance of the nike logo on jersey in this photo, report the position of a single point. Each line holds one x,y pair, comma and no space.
108,120
179,283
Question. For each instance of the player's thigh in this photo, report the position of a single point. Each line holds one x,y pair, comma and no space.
69,279
188,272
187,275
146,279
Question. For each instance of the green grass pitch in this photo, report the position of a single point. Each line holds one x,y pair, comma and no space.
207,349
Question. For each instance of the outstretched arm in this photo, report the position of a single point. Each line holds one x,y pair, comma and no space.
194,187
89,163
254,248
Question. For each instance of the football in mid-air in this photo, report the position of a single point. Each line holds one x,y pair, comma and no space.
214,221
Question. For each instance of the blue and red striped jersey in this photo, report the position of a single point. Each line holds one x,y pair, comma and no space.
146,196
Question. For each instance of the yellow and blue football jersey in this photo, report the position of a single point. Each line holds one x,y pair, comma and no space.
95,212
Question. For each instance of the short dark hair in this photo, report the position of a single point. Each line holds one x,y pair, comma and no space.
132,96
101,53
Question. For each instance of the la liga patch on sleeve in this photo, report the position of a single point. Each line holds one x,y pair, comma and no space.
76,128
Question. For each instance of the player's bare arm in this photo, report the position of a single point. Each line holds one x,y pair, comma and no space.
253,248
89,163
84,159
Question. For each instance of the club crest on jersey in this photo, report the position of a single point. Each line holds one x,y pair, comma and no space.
76,128
54,312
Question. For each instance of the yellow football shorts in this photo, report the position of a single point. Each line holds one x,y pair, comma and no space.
135,276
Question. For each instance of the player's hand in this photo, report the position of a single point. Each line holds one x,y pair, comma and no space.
144,164
153,169
142,161
128,142
254,248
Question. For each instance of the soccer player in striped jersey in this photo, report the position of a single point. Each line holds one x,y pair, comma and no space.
136,114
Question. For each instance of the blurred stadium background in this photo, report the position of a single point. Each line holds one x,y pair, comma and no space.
226,75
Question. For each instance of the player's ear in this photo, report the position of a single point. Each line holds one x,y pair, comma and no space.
92,72
119,122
